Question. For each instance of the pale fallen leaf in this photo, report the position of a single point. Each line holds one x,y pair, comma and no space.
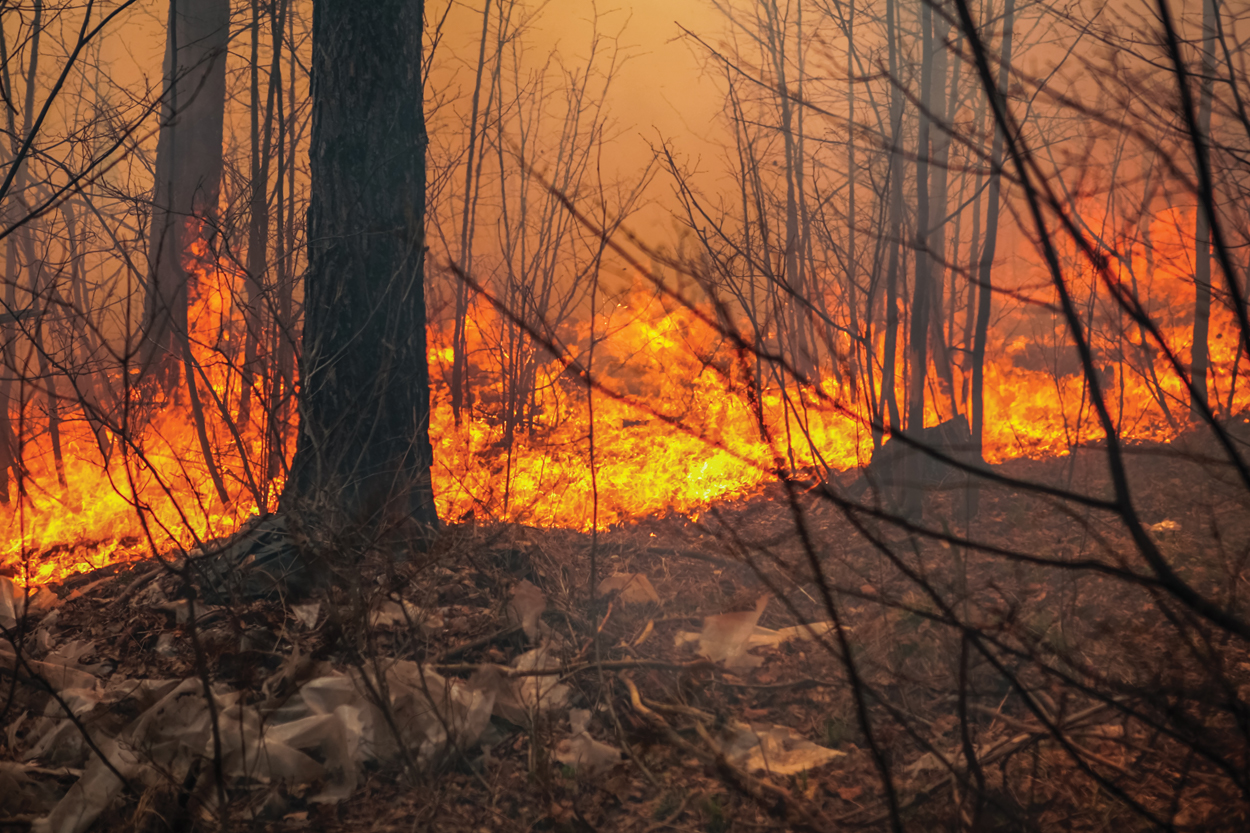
539,692
22,795
78,700
165,645
587,755
393,614
635,588
430,712
764,637
14,603
581,751
42,600
325,694
928,762
10,731
8,602
525,607
43,636
306,614
336,737
180,609
55,674
56,743
71,654
775,749
1165,526
726,636
161,743
506,703
91,794
322,735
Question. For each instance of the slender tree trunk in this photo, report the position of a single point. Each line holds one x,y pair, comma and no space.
974,259
799,343
918,334
363,446
35,270
258,220
460,345
985,269
188,171
852,265
943,104
1200,357
282,380
11,443
888,395
86,386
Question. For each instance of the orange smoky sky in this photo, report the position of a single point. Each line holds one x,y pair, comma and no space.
661,89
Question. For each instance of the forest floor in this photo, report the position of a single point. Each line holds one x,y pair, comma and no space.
683,698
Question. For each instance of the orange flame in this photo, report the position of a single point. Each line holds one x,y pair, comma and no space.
677,424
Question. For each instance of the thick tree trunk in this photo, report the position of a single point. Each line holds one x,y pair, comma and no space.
363,447
188,171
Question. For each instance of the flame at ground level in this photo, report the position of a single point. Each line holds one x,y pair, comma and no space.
677,426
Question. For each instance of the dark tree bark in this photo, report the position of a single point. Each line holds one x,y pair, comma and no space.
985,268
188,170
363,446
918,344
258,221
1200,353
889,397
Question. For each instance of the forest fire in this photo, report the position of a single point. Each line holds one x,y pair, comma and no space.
679,414
675,427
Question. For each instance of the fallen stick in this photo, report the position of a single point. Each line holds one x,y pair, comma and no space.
606,665
480,642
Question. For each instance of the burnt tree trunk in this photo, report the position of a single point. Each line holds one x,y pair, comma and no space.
188,171
363,448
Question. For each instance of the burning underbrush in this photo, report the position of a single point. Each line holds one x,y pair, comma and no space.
684,417
1043,680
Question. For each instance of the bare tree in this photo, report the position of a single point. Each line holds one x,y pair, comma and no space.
188,172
